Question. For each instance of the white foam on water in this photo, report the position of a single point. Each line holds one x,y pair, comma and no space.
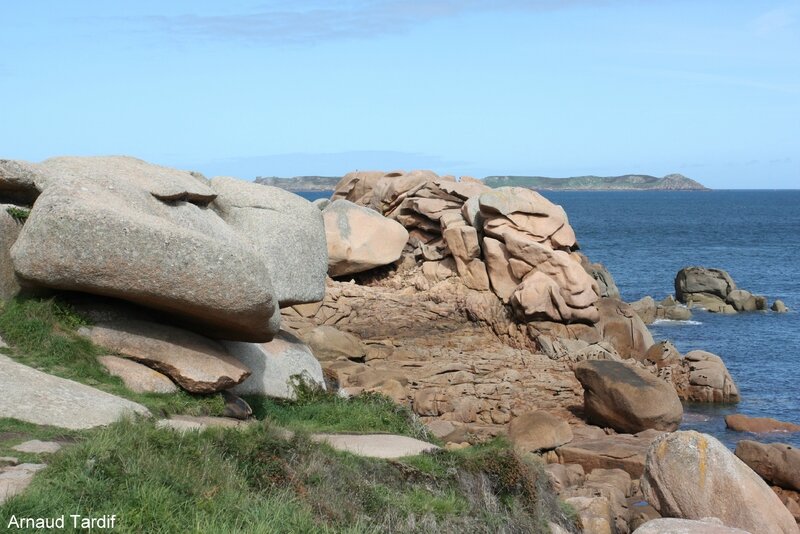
674,322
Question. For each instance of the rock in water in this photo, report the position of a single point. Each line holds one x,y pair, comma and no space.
777,463
626,398
275,366
779,307
196,363
705,379
758,425
285,229
690,475
360,239
122,228
535,431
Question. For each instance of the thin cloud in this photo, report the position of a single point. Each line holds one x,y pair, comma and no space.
775,21
312,22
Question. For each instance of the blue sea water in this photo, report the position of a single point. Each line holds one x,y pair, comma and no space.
644,238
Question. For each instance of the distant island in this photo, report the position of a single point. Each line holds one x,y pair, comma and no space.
628,182
638,182
301,183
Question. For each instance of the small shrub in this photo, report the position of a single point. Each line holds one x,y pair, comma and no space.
19,214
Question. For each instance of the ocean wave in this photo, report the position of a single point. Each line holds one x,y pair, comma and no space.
674,322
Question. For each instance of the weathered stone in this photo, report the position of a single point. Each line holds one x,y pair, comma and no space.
109,237
621,326
357,187
563,476
662,353
758,425
285,229
616,451
195,363
463,242
708,379
36,397
330,343
712,282
189,423
645,308
36,446
20,182
535,431
137,377
594,513
14,480
626,398
690,475
277,367
687,526
777,463
360,239
742,300
375,445
502,278
473,273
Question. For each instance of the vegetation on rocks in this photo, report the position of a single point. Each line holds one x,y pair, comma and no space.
20,214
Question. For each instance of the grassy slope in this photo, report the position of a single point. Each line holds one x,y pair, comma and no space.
224,480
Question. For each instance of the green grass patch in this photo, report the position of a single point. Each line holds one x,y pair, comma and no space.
20,214
43,335
316,410
254,480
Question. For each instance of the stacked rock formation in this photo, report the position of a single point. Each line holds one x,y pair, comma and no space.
714,290
510,240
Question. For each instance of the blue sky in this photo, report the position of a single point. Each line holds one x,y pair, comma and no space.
710,89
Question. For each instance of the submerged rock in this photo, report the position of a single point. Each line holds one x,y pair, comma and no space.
758,425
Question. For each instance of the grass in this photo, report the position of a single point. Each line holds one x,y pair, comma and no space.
20,214
253,480
43,334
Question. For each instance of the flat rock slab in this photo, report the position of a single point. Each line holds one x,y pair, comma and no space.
36,397
617,451
14,480
188,423
375,445
38,447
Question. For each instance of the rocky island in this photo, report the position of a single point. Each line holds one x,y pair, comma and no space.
507,387
627,182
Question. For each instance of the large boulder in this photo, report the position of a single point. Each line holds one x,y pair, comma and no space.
714,290
626,398
535,431
360,239
285,229
777,463
196,363
121,228
357,187
690,475
276,367
705,378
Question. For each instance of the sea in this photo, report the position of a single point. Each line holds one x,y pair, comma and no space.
645,237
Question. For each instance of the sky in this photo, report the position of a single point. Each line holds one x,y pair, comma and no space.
709,89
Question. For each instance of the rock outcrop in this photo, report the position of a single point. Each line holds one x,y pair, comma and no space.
689,475
626,398
536,431
360,239
703,377
714,290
